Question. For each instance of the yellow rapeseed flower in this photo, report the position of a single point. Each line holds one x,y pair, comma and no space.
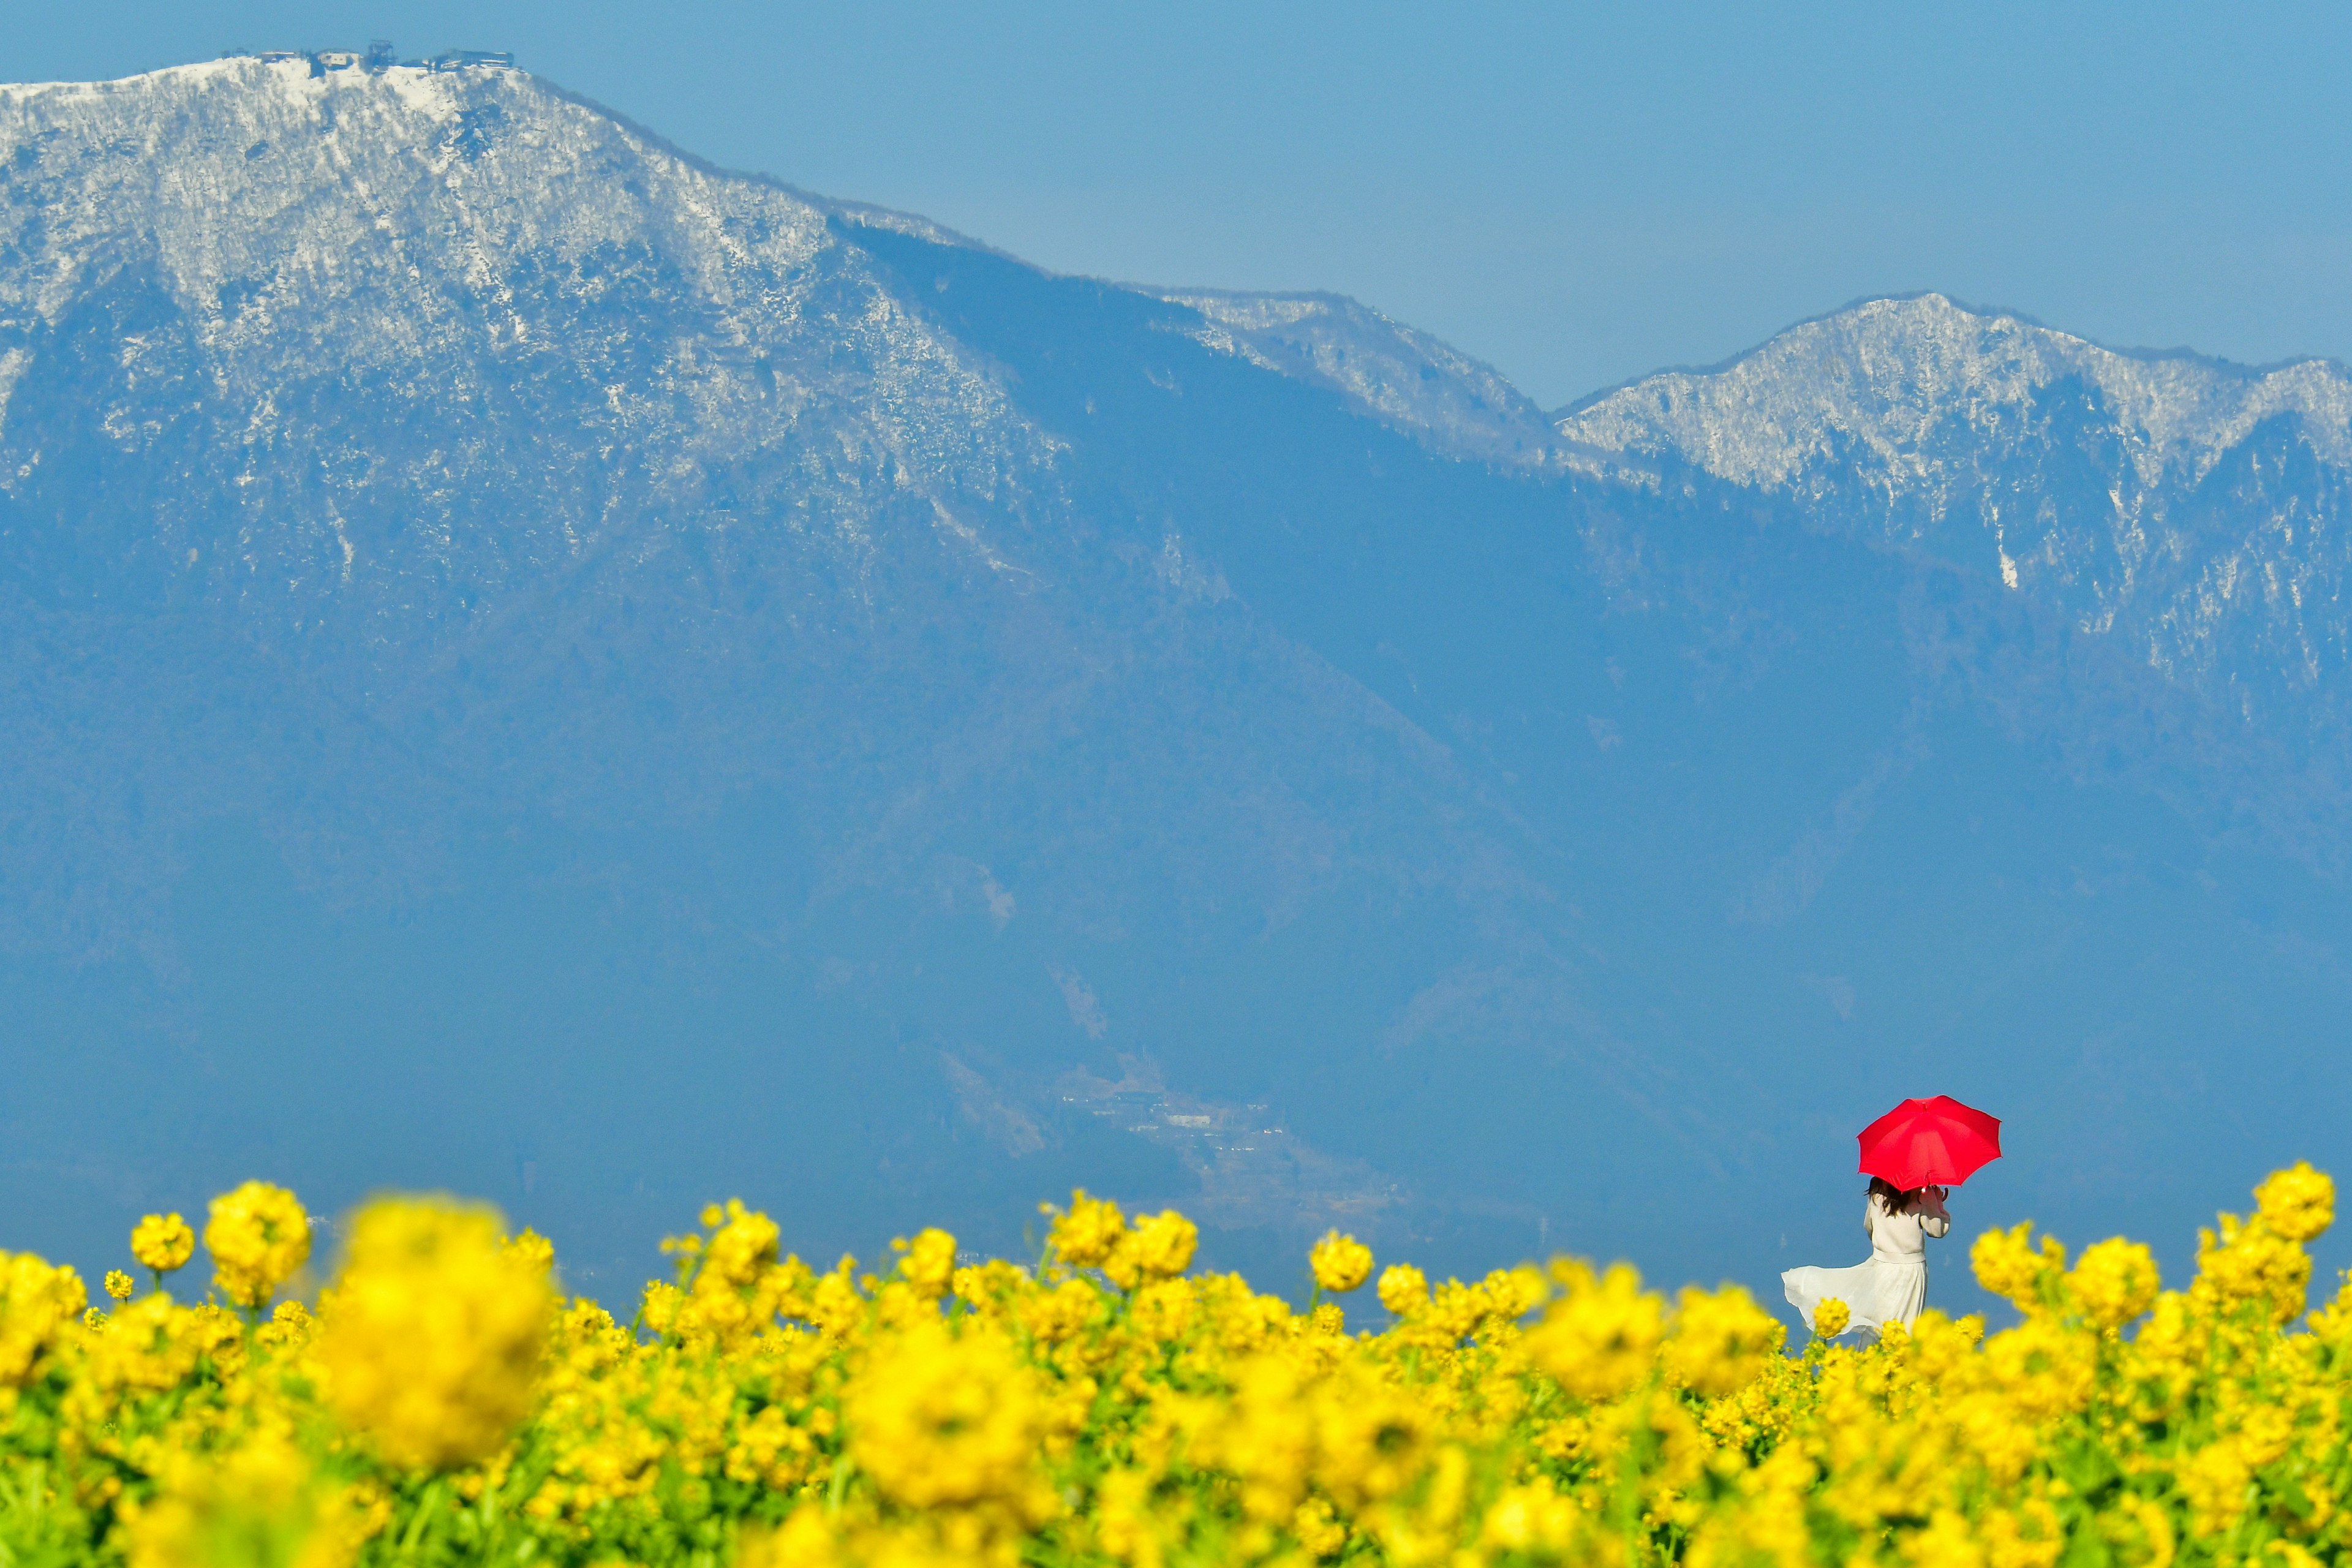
2214,1480
2008,1263
258,1236
1599,1340
939,1418
1318,1528
260,1505
434,1332
746,1244
2248,1262
2297,1203
1086,1236
534,1251
1370,1438
37,1300
1056,1315
163,1242
929,1263
2115,1281
1830,1318
1341,1263
1165,1244
1403,1290
1720,1341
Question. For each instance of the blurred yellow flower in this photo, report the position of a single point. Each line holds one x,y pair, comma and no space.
1341,1263
2008,1263
1720,1341
1056,1315
533,1251
1403,1290
1599,1340
258,1236
1165,1244
434,1332
2115,1281
163,1242
2297,1203
929,1263
37,1302
939,1418
260,1504
1830,1318
1086,1236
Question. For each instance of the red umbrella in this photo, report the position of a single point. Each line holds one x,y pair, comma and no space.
1924,1141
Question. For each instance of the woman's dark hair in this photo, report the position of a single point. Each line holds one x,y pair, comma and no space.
1895,1199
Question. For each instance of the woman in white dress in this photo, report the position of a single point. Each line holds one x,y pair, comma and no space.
1892,1287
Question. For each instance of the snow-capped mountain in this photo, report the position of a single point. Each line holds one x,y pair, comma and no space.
391,458
2194,511
459,294
534,665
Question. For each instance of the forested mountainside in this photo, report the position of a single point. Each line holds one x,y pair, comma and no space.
2193,513
539,666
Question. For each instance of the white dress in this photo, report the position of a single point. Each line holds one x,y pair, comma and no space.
1890,1288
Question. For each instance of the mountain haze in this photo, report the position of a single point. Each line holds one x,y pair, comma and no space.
541,667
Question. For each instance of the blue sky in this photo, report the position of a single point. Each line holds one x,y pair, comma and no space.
1577,194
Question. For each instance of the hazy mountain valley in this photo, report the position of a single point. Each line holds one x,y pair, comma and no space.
539,666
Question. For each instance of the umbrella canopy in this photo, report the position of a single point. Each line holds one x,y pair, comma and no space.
1936,1140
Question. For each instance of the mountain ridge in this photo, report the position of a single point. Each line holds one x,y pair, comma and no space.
2023,317
2192,508
1853,330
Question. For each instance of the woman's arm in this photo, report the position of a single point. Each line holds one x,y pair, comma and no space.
1933,1218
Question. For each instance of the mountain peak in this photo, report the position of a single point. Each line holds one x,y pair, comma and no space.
441,279
1901,384
2185,504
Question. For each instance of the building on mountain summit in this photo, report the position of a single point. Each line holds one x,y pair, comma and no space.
377,58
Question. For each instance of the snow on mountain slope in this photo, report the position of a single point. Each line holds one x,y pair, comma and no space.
291,256
2196,509
1885,375
1405,378
1391,371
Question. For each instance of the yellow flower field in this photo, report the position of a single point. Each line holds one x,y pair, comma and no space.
442,1403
